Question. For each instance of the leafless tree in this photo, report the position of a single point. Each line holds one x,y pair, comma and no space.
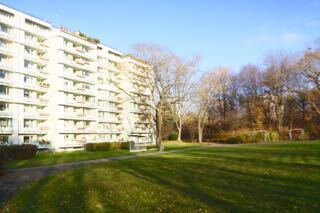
182,90
308,78
161,78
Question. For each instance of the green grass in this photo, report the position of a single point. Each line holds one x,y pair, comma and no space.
265,177
51,158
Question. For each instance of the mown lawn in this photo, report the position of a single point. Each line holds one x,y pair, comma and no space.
266,177
51,158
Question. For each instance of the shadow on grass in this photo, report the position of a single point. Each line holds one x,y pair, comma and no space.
197,180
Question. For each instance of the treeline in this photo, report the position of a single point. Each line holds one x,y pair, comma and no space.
282,94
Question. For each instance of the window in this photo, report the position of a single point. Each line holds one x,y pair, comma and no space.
26,139
26,93
3,74
26,79
4,139
28,50
6,13
4,122
3,90
4,28
3,43
3,106
27,123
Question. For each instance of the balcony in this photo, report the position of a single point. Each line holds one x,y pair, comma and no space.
6,97
7,35
78,90
39,59
77,77
78,64
79,103
110,120
9,20
78,51
37,72
6,50
6,113
6,130
6,81
40,115
36,44
79,116
42,86
77,129
103,64
6,65
36,101
35,130
110,109
36,30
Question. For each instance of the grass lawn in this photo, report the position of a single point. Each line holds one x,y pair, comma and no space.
51,158
272,177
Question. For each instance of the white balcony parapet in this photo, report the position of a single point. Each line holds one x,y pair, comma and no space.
5,130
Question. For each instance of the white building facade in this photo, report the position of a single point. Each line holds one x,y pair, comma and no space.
61,90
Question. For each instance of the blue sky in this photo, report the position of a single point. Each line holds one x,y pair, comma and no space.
228,33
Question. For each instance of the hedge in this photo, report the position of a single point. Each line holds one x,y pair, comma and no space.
16,152
254,137
173,136
106,146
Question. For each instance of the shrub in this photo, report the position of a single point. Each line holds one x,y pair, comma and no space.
173,136
274,136
152,147
22,152
16,152
235,140
312,132
106,146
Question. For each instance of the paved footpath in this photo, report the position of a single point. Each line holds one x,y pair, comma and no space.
15,178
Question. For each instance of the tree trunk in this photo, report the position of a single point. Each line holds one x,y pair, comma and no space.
179,130
200,130
159,129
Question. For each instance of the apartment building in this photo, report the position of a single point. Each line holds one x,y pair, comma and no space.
59,89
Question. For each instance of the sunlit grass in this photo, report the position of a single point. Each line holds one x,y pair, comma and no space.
270,177
51,158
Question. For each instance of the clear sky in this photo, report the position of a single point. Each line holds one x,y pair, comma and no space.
226,32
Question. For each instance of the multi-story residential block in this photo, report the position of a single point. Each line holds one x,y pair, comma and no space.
61,89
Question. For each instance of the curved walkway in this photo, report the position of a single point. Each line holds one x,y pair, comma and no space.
15,178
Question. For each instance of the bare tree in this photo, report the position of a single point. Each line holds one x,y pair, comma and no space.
160,79
202,98
308,78
182,90
249,91
275,84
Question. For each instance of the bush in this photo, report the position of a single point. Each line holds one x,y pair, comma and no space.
235,140
106,146
16,152
22,152
173,136
274,136
253,137
152,147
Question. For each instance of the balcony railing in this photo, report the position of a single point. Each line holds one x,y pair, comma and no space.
6,113
42,59
36,30
6,64
37,72
40,129
38,44
6,129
